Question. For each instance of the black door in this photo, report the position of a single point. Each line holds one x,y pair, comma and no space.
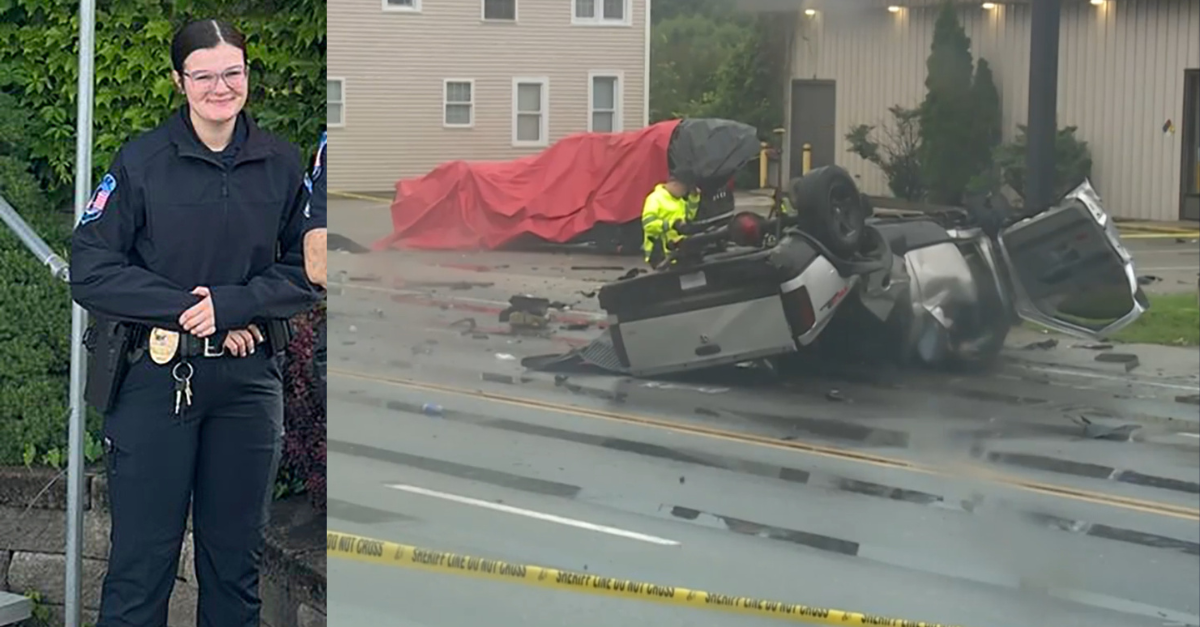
1189,202
814,121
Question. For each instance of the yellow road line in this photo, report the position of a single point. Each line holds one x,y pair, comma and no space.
384,553
1088,496
1157,235
385,201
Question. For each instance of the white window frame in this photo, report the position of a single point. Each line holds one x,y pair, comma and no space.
446,101
600,20
484,18
544,139
391,8
342,82
618,98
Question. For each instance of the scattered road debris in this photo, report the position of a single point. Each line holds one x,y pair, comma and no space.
503,378
452,285
525,320
1130,360
671,386
366,278
1120,433
632,273
472,267
343,244
431,409
834,395
527,312
1046,344
466,324
1094,347
1147,279
591,294
612,268
505,357
578,326
353,329
1190,399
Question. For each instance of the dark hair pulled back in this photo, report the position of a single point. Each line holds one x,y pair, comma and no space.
204,34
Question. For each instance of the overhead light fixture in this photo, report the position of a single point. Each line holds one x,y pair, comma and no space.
989,5
810,12
1097,2
894,9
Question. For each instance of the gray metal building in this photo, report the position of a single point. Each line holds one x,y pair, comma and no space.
1129,79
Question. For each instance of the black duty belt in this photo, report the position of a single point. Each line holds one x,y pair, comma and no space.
211,347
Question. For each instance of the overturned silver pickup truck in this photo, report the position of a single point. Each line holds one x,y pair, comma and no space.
821,273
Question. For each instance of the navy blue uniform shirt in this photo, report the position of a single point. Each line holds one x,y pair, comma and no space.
171,215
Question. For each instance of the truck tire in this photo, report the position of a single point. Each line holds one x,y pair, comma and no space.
831,209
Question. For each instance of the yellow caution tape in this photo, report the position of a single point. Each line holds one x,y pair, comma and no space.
391,554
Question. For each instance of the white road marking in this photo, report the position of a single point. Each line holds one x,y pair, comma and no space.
1189,435
570,522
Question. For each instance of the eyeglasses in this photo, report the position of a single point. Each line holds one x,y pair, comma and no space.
234,77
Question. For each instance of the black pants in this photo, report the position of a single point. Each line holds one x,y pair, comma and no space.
221,454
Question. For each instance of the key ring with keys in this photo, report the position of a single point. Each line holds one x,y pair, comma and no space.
175,371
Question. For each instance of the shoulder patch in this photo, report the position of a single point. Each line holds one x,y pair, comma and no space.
319,158
95,207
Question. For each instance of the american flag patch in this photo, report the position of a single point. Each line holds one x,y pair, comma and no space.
95,207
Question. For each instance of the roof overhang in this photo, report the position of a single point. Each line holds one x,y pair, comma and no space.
843,6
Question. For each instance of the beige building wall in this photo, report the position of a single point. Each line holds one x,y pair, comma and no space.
1121,77
394,65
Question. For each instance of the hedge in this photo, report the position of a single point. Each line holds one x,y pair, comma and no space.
133,93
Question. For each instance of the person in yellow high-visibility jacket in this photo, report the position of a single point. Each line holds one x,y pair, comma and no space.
669,203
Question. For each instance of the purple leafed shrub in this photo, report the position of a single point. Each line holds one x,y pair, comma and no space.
303,466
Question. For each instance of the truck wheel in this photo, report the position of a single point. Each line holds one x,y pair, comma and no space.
831,208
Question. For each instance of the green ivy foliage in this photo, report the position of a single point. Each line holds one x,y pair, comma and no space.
133,88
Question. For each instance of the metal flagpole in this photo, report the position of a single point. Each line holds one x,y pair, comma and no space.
78,425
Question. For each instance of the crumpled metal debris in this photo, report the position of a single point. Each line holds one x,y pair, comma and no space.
1130,360
1120,432
1046,344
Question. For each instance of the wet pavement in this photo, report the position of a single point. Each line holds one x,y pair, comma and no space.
973,500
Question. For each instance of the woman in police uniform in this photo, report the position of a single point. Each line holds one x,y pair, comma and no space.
193,240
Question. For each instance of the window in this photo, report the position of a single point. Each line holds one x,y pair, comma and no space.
604,97
335,102
408,6
531,100
601,12
458,103
500,10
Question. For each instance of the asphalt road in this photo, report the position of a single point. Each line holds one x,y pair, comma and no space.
963,500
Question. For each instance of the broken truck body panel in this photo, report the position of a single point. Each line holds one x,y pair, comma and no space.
737,307
938,288
1070,272
955,290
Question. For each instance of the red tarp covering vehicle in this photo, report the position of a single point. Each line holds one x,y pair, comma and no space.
577,183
